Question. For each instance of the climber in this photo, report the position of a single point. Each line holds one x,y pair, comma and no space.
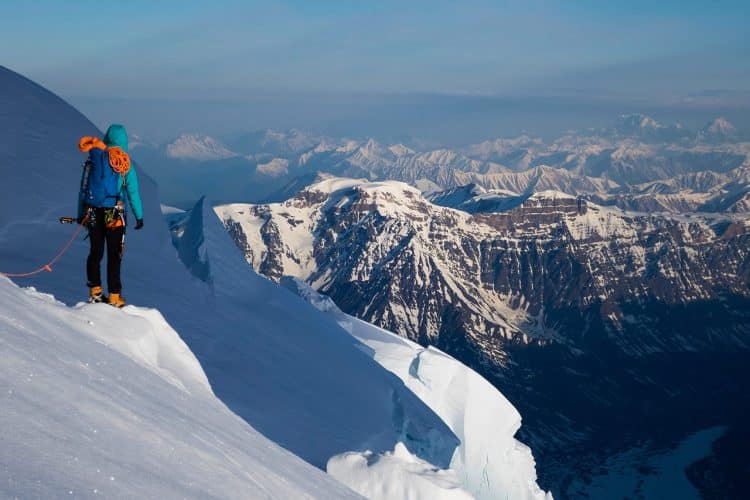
107,180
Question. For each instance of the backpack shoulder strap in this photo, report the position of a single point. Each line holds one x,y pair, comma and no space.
85,178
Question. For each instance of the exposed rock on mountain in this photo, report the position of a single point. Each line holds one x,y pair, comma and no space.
426,271
561,302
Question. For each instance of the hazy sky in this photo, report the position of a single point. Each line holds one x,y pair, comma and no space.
636,49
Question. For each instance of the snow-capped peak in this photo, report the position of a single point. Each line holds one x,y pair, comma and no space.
198,147
274,168
720,127
348,146
440,156
401,150
551,194
720,124
638,121
372,149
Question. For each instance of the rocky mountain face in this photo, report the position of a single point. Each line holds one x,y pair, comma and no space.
572,307
389,256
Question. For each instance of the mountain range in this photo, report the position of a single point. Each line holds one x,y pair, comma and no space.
705,170
600,281
575,309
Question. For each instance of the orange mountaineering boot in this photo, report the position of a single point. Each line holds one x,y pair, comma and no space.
96,295
116,300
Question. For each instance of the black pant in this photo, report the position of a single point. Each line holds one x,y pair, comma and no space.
98,235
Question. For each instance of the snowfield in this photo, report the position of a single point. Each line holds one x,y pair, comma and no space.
124,412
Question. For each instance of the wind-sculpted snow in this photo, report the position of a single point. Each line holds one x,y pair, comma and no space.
146,338
396,474
99,402
489,462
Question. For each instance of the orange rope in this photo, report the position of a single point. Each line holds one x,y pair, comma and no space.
48,266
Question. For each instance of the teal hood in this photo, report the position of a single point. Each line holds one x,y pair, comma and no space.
116,136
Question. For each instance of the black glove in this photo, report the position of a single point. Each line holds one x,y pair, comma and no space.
138,224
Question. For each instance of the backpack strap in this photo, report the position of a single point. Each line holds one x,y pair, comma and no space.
85,179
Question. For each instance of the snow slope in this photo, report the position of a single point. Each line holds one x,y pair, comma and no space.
124,412
489,462
286,369
343,401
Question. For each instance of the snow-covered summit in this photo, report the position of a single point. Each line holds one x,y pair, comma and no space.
647,128
274,168
637,122
551,194
401,150
198,147
718,130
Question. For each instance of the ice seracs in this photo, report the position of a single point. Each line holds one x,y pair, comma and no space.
395,474
489,463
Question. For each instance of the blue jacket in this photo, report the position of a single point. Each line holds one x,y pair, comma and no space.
127,185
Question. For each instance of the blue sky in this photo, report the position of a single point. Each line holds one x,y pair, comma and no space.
657,51
141,48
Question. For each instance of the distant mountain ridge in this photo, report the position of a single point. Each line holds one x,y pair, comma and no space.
197,147
611,165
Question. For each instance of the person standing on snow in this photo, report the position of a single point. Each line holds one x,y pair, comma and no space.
106,181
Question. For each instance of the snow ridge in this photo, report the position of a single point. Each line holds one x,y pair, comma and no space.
99,402
489,462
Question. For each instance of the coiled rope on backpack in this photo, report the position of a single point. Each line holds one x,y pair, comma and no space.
48,266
